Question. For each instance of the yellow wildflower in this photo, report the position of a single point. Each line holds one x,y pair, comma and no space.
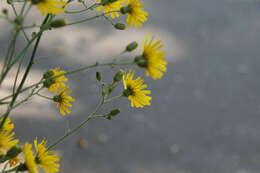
54,79
7,141
111,7
135,14
152,58
63,100
46,159
8,126
134,90
29,158
49,6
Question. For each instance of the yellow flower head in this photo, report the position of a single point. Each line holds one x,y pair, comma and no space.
46,159
136,16
134,90
29,158
49,6
55,78
7,141
8,126
110,7
63,100
152,58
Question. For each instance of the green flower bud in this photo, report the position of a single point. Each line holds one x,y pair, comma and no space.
5,11
141,61
120,26
132,46
114,112
13,152
118,76
125,10
98,76
58,23
9,1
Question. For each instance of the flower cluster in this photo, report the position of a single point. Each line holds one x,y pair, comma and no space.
55,80
23,158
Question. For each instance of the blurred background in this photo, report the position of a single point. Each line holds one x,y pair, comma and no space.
205,111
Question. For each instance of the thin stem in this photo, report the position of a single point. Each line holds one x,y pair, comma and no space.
80,11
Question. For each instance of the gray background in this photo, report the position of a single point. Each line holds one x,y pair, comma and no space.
205,112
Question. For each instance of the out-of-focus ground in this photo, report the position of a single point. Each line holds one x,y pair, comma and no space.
206,110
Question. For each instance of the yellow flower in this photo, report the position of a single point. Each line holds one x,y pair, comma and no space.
46,159
135,14
29,158
134,90
7,141
54,79
63,100
49,6
8,126
152,58
109,7
14,161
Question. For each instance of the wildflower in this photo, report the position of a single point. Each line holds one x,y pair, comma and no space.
54,79
134,90
49,6
30,163
135,14
111,7
63,100
152,58
7,141
8,126
46,159
14,161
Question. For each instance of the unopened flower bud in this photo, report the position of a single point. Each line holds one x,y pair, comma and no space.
132,46
118,76
112,114
120,26
48,82
98,76
5,11
58,23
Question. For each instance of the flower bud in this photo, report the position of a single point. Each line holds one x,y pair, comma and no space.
57,99
5,11
120,26
58,23
118,76
114,112
132,46
98,76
